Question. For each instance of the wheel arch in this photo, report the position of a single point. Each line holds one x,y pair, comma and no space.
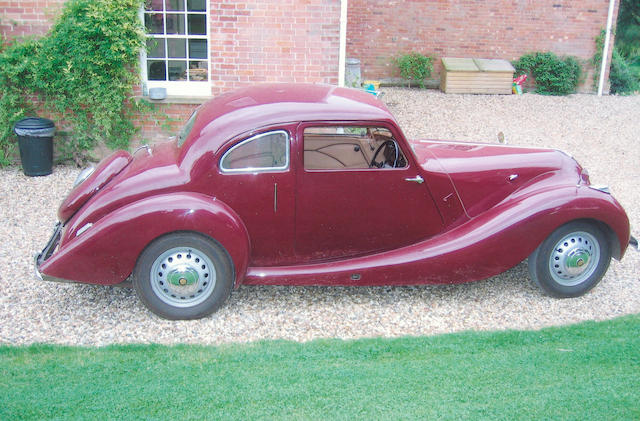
613,240
611,235
108,250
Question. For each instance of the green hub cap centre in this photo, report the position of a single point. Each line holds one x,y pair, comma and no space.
578,259
183,276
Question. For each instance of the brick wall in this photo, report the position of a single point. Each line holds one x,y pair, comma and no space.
379,30
273,41
22,18
254,41
260,41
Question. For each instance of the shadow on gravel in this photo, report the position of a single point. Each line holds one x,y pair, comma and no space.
515,282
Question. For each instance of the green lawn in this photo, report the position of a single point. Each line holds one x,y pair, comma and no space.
587,371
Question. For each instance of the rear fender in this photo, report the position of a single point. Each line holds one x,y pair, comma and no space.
106,251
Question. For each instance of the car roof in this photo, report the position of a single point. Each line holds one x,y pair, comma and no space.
247,110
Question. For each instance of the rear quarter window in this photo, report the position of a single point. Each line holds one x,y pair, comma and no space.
263,152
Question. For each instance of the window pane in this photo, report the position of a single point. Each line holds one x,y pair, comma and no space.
351,147
175,23
198,70
155,48
156,70
177,48
177,70
174,4
196,5
153,5
153,23
197,48
197,25
267,151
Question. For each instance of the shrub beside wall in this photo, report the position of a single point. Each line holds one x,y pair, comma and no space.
553,75
83,71
415,67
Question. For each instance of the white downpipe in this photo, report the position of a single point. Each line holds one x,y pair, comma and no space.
342,60
605,49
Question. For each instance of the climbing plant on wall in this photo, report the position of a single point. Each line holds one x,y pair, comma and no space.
83,71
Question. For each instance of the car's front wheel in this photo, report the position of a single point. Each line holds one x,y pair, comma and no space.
572,260
183,276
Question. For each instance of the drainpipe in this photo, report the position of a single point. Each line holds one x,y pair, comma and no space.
343,42
605,50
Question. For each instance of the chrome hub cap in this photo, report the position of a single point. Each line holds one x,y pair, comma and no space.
183,277
574,258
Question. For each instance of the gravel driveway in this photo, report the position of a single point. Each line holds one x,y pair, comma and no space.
601,133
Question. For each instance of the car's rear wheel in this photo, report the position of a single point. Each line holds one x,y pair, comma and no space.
572,260
183,276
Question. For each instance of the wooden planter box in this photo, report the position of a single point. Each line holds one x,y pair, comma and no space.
476,76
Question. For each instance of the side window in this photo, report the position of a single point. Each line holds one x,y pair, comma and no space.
351,147
263,152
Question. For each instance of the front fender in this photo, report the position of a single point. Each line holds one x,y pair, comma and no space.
562,205
106,252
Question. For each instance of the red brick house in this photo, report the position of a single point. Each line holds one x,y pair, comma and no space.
200,48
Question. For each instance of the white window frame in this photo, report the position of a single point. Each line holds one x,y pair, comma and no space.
179,88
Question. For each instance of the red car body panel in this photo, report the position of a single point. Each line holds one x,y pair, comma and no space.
107,253
481,209
485,246
106,170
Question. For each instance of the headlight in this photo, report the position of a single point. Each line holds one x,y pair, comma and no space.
84,174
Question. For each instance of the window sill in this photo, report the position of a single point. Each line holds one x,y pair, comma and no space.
174,99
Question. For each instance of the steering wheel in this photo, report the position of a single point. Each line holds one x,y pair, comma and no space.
382,146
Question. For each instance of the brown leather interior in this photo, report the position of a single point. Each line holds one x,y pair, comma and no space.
327,148
336,152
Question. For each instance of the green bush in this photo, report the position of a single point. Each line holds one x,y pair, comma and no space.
622,80
82,71
553,75
415,67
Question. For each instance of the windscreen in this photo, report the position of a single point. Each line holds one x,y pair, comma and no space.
184,133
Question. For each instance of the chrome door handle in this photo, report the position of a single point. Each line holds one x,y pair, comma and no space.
416,179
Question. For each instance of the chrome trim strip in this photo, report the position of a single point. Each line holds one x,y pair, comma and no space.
147,147
47,251
83,175
275,198
283,167
84,228
600,187
36,265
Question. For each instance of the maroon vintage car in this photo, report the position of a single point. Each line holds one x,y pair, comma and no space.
317,185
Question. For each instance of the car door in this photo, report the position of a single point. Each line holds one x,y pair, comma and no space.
255,179
344,206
